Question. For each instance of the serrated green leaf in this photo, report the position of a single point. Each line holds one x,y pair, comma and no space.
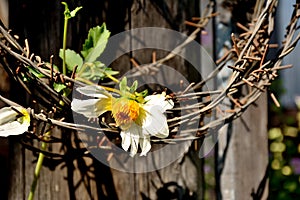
95,43
72,59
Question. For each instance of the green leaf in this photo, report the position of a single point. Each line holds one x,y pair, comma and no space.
55,67
143,93
95,43
95,71
99,64
69,14
72,59
58,87
67,91
139,96
73,12
35,72
111,72
123,85
88,71
134,86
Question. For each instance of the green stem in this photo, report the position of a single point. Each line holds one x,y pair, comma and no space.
88,82
39,163
65,45
111,77
38,168
64,50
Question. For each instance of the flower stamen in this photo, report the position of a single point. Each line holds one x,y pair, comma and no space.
125,111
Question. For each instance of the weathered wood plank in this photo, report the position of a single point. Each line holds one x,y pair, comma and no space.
244,173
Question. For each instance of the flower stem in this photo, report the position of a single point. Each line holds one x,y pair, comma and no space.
37,170
64,45
112,78
88,82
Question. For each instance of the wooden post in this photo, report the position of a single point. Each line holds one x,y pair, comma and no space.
4,12
243,150
242,156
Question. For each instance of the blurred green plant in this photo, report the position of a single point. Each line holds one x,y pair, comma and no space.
284,148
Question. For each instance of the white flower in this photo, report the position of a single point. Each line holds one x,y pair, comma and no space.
137,121
13,121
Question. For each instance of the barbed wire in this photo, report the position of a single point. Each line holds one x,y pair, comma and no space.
252,74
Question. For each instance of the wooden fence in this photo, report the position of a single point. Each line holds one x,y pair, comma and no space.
241,159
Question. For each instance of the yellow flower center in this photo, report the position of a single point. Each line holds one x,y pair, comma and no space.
125,111
25,118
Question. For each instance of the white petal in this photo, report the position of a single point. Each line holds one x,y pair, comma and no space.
89,107
155,123
93,91
10,125
135,134
159,100
131,137
145,145
168,104
7,114
126,140
134,143
13,128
